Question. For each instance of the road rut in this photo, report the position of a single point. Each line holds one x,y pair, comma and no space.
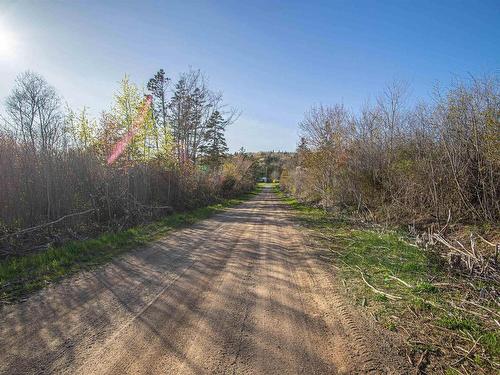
239,293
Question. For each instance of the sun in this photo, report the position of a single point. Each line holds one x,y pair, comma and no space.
8,42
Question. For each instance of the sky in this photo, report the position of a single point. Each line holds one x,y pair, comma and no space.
272,59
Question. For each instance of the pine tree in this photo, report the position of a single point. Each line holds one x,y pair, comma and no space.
179,118
214,148
158,87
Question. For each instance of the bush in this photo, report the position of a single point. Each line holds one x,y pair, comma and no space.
404,164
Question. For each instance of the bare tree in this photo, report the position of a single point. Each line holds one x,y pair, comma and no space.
158,87
428,162
53,171
34,111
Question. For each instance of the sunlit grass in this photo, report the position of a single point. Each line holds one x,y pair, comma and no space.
381,256
22,275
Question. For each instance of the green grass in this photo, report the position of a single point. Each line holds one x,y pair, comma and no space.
491,341
458,323
22,275
381,256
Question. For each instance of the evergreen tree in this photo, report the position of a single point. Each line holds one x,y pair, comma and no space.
179,118
158,87
214,148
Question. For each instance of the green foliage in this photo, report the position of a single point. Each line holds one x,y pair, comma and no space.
458,322
491,341
420,304
382,255
379,254
163,139
82,128
425,287
391,326
214,147
381,298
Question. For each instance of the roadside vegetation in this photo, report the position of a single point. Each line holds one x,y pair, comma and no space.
430,163
67,176
22,275
407,199
449,321
76,190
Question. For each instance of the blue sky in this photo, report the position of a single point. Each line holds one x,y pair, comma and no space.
272,59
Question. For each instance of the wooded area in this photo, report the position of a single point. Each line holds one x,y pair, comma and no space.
431,162
407,199
424,168
66,175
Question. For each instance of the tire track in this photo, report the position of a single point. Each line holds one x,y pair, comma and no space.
178,305
240,293
363,339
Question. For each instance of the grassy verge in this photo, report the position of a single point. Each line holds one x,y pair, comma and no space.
407,290
23,275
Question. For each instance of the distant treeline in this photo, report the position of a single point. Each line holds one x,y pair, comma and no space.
269,164
431,162
64,174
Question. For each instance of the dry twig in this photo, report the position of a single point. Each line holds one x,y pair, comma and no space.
401,281
47,224
390,296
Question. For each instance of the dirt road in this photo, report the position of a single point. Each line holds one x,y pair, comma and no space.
238,293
